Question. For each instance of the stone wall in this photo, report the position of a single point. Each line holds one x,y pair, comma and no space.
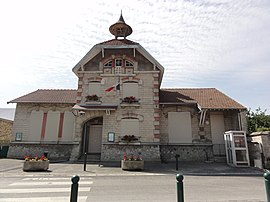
262,138
254,152
115,152
55,151
5,131
186,152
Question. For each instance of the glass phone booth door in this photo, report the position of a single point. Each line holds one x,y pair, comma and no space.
236,148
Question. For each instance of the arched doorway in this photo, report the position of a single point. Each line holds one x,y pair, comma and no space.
92,138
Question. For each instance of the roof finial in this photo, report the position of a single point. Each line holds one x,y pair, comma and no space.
121,18
120,28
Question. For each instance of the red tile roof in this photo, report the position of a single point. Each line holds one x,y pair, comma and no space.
67,96
118,42
207,98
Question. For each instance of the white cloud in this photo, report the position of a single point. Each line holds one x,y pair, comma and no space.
223,44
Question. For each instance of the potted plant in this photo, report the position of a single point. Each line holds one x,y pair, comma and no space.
132,163
130,100
91,98
129,138
36,163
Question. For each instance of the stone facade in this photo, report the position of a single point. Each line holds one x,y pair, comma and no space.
193,152
116,152
259,147
54,151
5,131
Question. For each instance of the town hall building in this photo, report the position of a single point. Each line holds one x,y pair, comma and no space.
120,108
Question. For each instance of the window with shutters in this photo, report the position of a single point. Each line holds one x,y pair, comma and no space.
130,127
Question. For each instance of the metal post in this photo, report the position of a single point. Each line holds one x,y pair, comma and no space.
176,161
84,164
266,176
74,188
85,146
180,188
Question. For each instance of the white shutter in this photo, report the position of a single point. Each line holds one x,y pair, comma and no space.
94,88
130,89
130,127
180,130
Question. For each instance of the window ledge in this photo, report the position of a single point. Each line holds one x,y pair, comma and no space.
130,104
120,75
93,102
129,143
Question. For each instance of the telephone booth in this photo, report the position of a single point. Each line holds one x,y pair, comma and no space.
236,148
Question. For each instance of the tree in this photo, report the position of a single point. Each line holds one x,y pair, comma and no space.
258,121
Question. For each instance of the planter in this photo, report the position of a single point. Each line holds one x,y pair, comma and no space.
132,165
35,165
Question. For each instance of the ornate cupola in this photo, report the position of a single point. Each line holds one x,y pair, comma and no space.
120,28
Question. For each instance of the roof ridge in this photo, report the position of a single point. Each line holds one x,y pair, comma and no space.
56,89
188,88
121,40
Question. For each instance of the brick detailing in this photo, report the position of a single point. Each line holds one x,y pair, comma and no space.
157,136
97,78
80,78
43,128
60,129
135,79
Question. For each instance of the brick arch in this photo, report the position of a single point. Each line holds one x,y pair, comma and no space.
131,79
130,116
88,116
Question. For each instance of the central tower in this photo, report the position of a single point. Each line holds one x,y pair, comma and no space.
119,84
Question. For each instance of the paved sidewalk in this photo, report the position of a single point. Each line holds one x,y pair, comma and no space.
13,167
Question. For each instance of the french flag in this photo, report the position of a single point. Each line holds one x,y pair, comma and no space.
116,86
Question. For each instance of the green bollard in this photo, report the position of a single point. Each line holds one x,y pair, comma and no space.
267,185
180,188
74,188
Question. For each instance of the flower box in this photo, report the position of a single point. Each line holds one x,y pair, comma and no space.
35,165
132,165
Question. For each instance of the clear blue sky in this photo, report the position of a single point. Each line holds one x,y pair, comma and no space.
221,44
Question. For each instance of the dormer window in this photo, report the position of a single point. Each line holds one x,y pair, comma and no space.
108,64
128,64
118,63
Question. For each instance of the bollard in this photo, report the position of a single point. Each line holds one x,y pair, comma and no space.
84,164
266,176
74,188
180,188
176,161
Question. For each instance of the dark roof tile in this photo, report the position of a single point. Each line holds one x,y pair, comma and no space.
207,98
118,42
48,96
